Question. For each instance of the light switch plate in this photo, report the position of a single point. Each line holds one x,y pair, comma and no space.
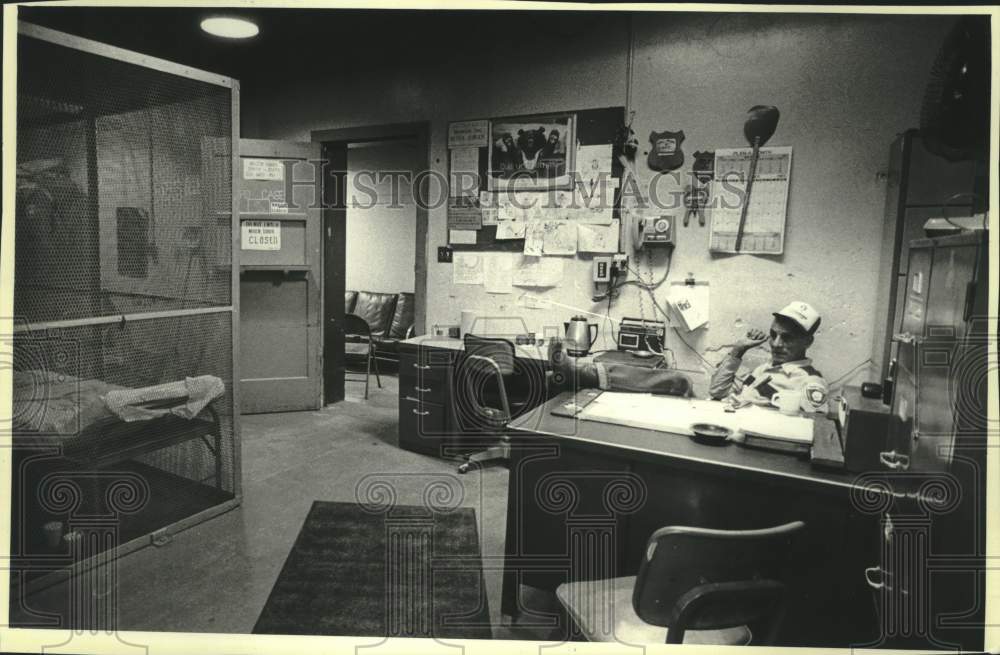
444,255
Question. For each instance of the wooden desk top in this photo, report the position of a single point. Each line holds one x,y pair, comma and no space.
536,353
680,448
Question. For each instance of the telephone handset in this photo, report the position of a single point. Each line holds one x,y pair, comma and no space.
652,231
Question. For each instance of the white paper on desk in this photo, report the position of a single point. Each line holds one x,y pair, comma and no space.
510,230
534,238
597,238
464,168
498,273
690,302
677,415
539,272
462,237
467,268
559,237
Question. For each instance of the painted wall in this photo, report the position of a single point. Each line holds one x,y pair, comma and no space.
381,233
845,86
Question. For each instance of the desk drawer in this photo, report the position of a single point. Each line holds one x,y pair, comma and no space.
433,391
427,365
422,425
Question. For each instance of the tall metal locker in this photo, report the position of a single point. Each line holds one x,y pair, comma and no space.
919,186
933,541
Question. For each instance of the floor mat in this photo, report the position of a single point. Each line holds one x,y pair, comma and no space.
403,572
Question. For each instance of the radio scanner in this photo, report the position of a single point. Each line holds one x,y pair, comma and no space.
640,334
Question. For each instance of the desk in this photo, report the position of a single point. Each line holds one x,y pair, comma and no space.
430,421
585,496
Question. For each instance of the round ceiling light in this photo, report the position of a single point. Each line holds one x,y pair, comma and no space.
230,28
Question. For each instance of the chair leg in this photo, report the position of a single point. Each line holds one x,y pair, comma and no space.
375,363
368,373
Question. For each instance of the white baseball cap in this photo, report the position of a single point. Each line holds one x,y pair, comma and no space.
802,314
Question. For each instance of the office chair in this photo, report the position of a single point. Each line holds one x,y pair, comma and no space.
356,326
480,407
695,586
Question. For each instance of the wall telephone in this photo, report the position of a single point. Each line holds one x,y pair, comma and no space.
653,231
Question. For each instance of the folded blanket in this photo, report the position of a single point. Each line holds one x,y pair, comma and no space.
129,404
54,404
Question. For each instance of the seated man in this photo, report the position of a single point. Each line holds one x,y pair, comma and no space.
791,334
789,370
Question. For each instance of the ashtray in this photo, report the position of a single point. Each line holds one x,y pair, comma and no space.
711,435
643,354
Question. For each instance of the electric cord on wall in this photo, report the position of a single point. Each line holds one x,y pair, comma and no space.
833,385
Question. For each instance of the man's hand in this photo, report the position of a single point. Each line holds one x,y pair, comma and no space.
753,338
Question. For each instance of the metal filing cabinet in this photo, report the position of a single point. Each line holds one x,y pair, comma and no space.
931,570
425,391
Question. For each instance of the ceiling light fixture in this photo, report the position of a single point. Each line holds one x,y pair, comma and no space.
230,28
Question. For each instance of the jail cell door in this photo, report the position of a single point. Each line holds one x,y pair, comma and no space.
280,277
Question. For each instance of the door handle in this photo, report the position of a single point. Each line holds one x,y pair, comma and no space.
421,367
894,460
423,389
419,413
880,583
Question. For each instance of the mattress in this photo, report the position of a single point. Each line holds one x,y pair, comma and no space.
52,408
53,405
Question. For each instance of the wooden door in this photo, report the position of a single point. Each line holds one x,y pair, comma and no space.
280,277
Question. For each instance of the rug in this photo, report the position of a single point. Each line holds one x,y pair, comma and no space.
404,572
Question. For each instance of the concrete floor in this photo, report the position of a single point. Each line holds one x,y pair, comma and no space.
216,577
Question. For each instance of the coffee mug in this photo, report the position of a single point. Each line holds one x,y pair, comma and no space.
787,401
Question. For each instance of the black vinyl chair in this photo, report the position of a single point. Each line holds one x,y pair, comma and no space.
694,586
484,405
361,348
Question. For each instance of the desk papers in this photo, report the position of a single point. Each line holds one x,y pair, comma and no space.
668,414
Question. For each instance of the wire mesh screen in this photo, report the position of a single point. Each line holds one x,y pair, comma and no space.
123,210
123,192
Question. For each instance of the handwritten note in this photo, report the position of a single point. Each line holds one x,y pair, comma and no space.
593,163
467,268
559,237
598,238
507,230
498,272
539,272
534,238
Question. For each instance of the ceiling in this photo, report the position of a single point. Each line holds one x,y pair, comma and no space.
300,43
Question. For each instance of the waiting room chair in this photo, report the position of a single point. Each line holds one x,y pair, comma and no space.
694,586
483,407
363,346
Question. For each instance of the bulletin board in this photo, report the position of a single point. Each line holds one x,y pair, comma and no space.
593,127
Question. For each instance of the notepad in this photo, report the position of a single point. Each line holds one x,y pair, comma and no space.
677,415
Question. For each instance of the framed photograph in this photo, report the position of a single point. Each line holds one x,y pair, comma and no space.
532,152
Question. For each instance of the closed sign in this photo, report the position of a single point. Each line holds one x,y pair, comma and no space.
260,235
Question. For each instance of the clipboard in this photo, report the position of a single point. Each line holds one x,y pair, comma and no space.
689,300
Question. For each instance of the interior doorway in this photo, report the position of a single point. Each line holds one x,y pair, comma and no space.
374,230
381,216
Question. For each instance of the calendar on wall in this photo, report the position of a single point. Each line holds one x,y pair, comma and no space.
764,230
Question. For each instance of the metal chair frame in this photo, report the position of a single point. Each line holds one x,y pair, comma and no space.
354,325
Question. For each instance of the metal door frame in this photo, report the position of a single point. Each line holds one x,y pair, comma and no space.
332,142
